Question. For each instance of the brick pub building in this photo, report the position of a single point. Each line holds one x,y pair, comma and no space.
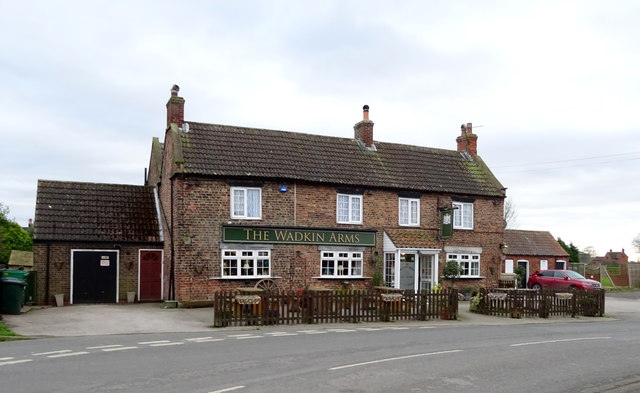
244,207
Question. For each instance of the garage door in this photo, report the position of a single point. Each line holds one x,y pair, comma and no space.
94,276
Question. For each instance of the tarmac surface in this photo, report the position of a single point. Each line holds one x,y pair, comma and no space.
108,319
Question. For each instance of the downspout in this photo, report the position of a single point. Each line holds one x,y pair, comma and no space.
172,287
46,285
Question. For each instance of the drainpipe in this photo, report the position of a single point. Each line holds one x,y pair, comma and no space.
46,285
172,287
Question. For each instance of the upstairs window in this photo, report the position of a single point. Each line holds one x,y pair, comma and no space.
462,215
409,212
246,202
349,209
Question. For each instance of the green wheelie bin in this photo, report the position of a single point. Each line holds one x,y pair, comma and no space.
12,295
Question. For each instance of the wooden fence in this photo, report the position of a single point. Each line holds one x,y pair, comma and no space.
237,309
543,303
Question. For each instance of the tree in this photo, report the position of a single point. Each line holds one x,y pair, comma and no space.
510,214
12,236
591,251
572,250
636,243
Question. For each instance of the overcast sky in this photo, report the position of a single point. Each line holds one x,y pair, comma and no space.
551,87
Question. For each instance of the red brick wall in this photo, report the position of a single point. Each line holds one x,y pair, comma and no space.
201,206
60,267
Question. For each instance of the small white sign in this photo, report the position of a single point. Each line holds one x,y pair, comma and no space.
104,262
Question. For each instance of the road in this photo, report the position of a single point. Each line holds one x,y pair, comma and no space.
594,356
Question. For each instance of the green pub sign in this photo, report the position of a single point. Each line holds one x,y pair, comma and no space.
446,226
298,236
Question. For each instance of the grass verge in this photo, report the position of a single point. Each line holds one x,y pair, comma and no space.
7,334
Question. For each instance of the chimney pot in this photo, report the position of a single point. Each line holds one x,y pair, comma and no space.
467,141
175,108
364,129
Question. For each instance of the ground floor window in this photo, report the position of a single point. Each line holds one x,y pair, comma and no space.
341,264
469,264
390,269
246,263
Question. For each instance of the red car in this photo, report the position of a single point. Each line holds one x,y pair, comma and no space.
561,279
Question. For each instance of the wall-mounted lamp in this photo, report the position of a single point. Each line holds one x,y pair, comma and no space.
503,246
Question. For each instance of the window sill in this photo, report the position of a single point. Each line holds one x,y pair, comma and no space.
343,278
243,278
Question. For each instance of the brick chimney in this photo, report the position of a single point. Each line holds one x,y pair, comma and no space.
175,108
468,141
363,130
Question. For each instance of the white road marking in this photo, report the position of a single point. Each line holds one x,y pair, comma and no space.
165,344
239,335
228,389
15,362
282,334
1,359
244,337
63,355
154,342
371,329
208,340
392,359
312,331
426,327
198,338
104,346
52,352
118,349
559,341
399,328
341,330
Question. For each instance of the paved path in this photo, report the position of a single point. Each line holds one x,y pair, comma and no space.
105,319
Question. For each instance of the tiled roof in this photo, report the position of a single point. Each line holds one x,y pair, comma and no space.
72,211
412,238
227,151
532,243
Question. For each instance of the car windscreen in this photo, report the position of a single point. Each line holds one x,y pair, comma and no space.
574,275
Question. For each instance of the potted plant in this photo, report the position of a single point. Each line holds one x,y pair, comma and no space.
451,271
520,273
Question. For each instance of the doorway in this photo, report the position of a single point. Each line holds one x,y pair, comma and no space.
408,272
150,279
94,276
417,271
525,276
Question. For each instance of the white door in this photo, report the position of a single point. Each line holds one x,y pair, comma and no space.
408,271
426,272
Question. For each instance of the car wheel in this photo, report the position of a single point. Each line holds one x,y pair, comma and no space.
536,286
573,288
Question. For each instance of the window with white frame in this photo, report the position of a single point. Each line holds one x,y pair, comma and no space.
349,209
246,202
246,263
390,269
462,215
409,211
341,264
469,264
